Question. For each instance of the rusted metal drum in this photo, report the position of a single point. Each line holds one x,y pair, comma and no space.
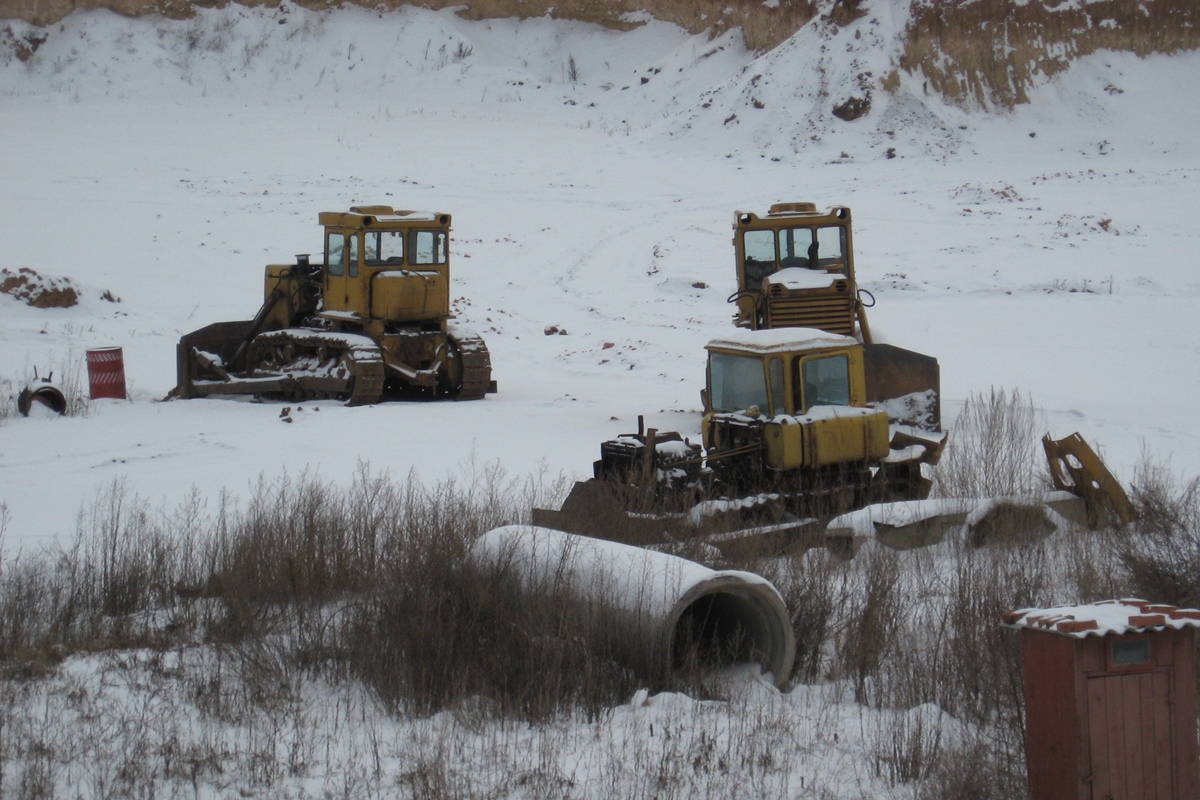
106,372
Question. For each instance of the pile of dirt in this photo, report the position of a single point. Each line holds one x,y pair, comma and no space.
38,290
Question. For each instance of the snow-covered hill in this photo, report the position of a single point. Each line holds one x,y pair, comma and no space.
592,175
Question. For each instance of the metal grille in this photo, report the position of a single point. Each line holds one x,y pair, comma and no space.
833,314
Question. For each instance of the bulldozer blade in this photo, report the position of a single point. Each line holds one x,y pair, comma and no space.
903,525
1009,522
219,341
769,541
1075,468
1070,507
893,372
592,509
922,533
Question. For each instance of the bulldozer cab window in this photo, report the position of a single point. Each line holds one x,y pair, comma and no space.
758,248
822,248
335,254
383,248
831,247
794,247
825,381
736,383
353,240
428,247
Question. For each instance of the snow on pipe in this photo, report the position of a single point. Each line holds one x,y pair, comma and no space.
661,600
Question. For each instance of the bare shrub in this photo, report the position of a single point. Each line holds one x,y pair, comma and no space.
1093,563
969,770
993,449
1162,553
811,585
906,747
369,588
983,674
874,620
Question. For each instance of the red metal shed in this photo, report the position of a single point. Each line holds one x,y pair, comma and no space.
1110,701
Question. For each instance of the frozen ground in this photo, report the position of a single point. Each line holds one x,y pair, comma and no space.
1051,249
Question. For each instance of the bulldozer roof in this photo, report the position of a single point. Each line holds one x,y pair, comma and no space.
382,216
780,340
792,211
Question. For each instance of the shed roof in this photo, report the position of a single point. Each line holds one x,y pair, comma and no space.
1106,617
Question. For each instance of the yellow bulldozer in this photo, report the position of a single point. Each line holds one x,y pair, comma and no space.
371,320
804,416
805,419
795,269
789,437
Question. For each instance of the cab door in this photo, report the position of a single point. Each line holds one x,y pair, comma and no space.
337,295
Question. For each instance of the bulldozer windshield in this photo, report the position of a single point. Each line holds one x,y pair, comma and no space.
825,381
767,251
814,248
383,248
737,383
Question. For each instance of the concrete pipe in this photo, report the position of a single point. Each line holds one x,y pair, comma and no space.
663,603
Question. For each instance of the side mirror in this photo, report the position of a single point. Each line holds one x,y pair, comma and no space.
704,400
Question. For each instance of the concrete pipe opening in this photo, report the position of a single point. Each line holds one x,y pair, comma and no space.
670,610
726,620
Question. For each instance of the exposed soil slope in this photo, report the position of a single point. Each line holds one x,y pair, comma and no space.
985,53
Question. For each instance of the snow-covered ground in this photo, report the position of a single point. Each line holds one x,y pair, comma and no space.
1051,249
593,177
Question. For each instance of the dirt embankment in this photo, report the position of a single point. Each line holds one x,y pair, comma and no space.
988,53
975,52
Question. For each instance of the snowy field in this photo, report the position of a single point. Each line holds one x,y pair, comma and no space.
593,177
1051,249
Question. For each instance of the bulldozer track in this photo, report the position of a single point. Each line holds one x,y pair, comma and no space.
476,367
312,364
370,373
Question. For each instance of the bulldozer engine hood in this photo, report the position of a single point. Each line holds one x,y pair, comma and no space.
824,436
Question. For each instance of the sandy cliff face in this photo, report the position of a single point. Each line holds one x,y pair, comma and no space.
978,53
989,52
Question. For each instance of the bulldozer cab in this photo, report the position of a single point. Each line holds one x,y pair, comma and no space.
785,372
798,396
386,266
795,268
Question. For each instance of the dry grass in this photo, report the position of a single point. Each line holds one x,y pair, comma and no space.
365,596
993,449
1162,552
